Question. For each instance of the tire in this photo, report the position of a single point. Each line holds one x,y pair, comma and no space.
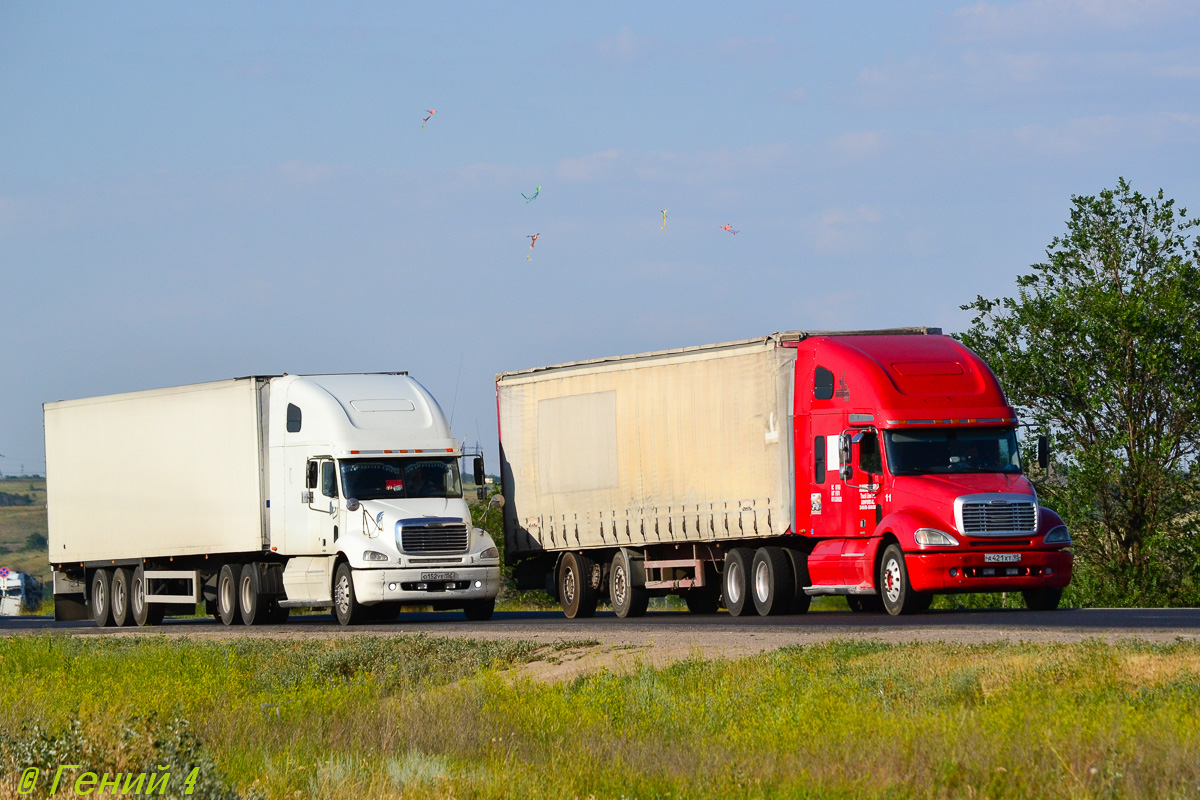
98,600
576,593
737,581
480,610
1042,599
800,600
922,601
346,607
255,607
227,594
894,588
143,613
772,584
118,600
627,597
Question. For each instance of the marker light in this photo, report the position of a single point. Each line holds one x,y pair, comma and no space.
478,584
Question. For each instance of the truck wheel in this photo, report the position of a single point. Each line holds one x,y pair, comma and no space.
227,594
628,599
98,601
576,593
254,606
772,581
896,592
800,600
119,591
480,610
346,607
1042,599
737,581
143,613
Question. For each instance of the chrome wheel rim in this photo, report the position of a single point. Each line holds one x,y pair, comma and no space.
342,595
733,583
620,586
762,582
891,580
569,586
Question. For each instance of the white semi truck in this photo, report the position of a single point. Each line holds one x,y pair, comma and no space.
258,495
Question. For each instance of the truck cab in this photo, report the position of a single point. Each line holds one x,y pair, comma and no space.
909,477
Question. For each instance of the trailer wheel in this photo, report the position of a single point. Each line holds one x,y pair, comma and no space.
143,613
119,591
1042,599
346,607
737,581
98,601
894,589
628,599
576,592
772,581
227,594
800,600
480,610
254,606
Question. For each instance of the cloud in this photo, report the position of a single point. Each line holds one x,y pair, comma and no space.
840,231
625,47
590,167
1089,135
859,144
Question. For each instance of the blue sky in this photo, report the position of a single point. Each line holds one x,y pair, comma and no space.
191,192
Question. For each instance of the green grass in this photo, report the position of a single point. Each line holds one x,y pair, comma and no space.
17,523
424,717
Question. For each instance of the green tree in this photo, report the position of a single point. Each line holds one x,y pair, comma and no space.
1101,349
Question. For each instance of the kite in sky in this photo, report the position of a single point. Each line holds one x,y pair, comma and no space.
530,197
532,242
663,211
729,228
431,113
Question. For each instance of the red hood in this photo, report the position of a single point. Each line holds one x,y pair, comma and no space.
937,492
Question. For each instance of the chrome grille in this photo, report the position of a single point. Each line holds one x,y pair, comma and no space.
990,518
434,538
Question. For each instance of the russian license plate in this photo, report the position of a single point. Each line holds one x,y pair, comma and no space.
1002,558
437,576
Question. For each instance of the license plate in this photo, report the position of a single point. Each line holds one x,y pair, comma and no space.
1002,558
437,576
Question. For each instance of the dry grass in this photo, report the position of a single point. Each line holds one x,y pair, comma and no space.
423,717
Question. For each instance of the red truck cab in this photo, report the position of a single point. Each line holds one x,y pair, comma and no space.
908,476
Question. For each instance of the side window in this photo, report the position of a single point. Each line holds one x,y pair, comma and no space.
823,384
293,419
819,459
328,479
869,459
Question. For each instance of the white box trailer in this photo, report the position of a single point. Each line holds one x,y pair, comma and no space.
260,494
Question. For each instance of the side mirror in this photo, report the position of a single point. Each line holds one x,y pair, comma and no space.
310,481
352,504
479,476
1043,452
844,457
497,501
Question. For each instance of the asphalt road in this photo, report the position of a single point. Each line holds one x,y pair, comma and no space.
720,631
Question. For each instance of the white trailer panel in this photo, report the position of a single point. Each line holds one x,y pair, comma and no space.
167,472
680,446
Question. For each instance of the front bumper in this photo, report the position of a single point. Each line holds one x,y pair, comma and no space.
391,585
1037,569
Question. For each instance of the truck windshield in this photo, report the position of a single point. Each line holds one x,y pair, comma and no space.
952,451
388,478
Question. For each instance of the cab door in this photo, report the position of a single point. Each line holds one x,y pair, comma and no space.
325,505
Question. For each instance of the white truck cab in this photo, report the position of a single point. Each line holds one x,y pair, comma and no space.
262,494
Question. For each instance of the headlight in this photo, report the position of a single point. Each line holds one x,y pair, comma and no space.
932,537
1058,535
488,554
374,555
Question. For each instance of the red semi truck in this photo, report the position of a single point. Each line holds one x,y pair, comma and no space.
879,465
